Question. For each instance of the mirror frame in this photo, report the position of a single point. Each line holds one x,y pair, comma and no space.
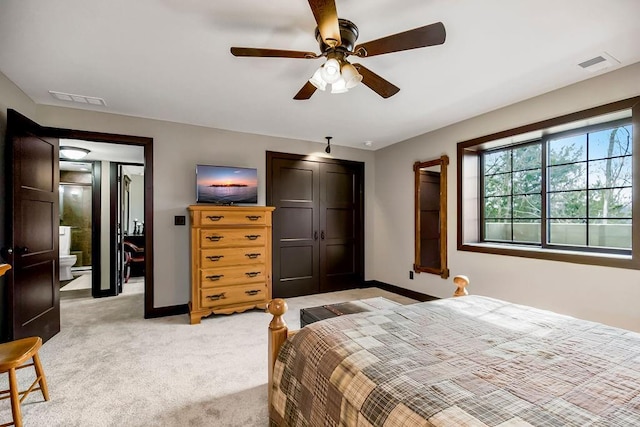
443,162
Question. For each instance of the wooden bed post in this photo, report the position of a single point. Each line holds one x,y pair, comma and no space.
461,282
278,332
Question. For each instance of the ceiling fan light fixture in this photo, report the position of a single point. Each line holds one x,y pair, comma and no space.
330,71
73,153
317,80
339,86
350,76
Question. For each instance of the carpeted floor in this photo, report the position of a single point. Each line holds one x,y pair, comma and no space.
110,367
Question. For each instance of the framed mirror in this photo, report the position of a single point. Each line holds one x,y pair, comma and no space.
431,217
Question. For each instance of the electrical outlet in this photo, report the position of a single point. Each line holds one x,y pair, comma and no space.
179,220
411,274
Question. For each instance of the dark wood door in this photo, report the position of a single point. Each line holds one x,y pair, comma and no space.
340,226
295,195
33,295
317,225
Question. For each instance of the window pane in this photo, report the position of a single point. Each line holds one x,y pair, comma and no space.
567,177
497,207
568,150
527,157
612,203
497,162
563,232
497,185
610,233
497,230
609,173
527,231
570,204
527,182
610,142
527,206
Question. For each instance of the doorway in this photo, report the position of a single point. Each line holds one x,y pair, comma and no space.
97,195
32,165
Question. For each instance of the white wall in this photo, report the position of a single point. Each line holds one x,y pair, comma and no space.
136,200
177,148
602,294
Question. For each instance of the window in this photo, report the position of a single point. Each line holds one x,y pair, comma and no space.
560,189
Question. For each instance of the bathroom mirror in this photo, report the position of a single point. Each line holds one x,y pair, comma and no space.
431,217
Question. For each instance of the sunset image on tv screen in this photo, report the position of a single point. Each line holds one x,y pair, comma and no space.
226,185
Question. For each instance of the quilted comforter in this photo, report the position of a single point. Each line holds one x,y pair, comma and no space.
470,361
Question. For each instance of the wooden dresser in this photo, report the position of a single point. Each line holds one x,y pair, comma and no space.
230,259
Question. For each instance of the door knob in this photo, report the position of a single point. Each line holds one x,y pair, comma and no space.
322,234
6,252
22,250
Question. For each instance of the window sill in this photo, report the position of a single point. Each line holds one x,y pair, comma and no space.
608,260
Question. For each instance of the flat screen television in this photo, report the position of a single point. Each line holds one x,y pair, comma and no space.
226,185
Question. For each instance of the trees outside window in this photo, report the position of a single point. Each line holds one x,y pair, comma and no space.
571,189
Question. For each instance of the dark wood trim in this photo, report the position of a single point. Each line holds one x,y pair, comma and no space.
289,156
96,252
149,310
556,121
398,290
172,310
113,228
471,148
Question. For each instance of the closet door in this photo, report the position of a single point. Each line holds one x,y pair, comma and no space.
317,225
340,226
295,192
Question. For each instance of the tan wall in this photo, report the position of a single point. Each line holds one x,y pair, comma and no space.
598,293
177,148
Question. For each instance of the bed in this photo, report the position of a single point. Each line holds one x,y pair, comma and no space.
469,361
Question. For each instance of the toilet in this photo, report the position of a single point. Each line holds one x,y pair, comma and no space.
66,259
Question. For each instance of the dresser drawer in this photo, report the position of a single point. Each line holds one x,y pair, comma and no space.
223,257
239,217
224,276
224,296
233,237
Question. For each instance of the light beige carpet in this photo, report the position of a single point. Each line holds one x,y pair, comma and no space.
110,367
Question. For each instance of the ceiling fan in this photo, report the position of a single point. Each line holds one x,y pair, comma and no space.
337,39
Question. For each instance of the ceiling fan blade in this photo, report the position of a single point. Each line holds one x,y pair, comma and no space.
376,83
306,92
271,53
429,35
327,19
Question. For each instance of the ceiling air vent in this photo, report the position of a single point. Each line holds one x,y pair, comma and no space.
80,99
598,63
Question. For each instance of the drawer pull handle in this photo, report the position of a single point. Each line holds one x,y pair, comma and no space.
215,217
214,238
216,297
214,257
215,277
252,292
253,217
252,256
252,236
252,273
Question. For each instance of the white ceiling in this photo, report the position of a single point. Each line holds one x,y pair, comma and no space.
170,60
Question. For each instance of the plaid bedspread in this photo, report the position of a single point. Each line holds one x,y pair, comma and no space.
469,361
